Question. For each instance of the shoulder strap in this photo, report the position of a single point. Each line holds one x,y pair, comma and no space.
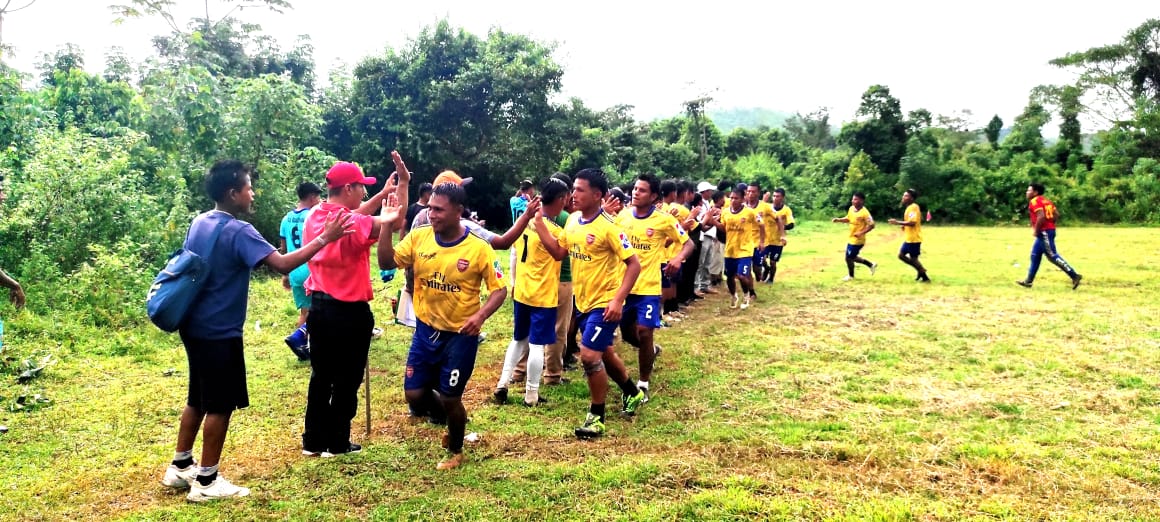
217,231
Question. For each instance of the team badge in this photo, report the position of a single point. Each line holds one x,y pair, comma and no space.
649,232
498,272
592,239
624,242
462,265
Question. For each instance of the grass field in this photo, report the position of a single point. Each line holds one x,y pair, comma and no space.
880,399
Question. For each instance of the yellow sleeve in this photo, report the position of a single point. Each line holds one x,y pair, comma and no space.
491,273
619,242
404,251
677,234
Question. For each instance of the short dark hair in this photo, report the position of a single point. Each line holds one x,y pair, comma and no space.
1038,188
684,187
553,188
860,196
225,175
697,199
913,193
453,192
740,188
779,190
307,189
425,189
654,183
720,194
619,194
563,177
525,184
668,186
756,185
595,178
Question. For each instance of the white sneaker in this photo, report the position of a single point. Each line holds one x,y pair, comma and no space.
218,489
873,267
848,278
376,332
179,478
733,303
745,304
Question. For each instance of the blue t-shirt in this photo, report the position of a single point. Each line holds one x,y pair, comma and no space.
219,312
519,205
291,232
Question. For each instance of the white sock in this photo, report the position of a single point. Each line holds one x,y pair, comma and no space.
515,352
535,371
642,384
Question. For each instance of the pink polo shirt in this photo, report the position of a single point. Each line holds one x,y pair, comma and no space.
342,268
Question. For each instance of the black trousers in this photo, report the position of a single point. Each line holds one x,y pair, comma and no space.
686,286
340,339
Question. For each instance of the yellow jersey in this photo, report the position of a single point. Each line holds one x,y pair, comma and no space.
742,230
648,236
771,236
448,276
539,281
914,215
768,220
598,250
859,219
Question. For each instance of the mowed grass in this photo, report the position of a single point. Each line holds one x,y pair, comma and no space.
881,398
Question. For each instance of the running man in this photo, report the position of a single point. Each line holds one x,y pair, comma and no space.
775,233
598,249
1043,214
861,223
451,266
536,296
769,222
649,230
743,232
911,224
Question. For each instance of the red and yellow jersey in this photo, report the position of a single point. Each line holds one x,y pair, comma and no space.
859,219
598,250
648,236
1041,203
448,276
539,281
680,213
912,234
742,232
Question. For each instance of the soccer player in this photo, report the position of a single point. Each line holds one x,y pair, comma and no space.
743,231
340,321
536,295
600,286
309,195
649,230
451,265
212,330
519,205
765,211
860,224
775,233
911,224
1043,214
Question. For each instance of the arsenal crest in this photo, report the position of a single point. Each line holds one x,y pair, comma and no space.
591,239
462,265
410,372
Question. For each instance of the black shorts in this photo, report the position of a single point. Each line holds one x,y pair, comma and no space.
217,374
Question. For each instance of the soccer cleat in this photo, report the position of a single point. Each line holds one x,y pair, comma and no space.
644,390
299,343
218,489
500,396
657,350
351,448
538,401
631,404
179,478
924,279
873,267
848,278
745,303
593,427
312,453
733,303
376,332
1075,281
1023,283
452,462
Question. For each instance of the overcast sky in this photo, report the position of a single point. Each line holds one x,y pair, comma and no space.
984,55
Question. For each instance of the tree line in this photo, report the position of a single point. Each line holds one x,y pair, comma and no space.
103,170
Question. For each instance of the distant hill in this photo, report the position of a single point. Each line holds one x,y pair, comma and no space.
750,118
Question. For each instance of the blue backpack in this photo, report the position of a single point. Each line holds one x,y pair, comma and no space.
178,284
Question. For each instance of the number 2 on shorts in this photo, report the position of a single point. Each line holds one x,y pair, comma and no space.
648,311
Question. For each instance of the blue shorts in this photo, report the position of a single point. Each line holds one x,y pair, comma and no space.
853,250
301,300
670,282
595,332
537,325
441,361
758,256
738,266
645,310
773,253
910,249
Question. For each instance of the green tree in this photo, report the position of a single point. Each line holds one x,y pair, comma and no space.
812,130
882,134
992,130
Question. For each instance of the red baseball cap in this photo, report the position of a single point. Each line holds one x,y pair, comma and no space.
345,173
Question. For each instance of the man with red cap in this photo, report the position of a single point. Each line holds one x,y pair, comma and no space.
340,319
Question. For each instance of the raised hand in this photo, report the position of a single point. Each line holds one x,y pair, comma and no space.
401,168
391,209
